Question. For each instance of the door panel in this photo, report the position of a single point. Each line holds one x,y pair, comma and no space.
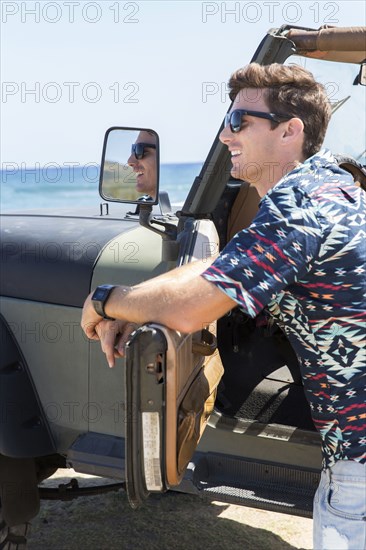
171,383
170,393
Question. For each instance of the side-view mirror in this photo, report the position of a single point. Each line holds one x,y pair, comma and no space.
362,74
130,166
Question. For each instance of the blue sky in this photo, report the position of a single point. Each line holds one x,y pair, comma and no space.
71,69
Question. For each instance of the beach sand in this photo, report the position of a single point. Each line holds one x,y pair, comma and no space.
170,520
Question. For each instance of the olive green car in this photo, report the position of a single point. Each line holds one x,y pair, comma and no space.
61,407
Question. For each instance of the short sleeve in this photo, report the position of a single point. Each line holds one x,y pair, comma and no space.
272,254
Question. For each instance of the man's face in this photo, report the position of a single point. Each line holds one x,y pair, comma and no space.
255,148
145,168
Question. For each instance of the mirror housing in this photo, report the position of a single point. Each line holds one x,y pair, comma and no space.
129,170
362,74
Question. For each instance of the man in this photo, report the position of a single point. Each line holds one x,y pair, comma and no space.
302,260
143,162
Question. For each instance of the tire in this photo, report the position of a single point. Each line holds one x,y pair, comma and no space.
15,537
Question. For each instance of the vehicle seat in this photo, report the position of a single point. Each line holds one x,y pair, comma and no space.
353,167
262,380
245,206
244,209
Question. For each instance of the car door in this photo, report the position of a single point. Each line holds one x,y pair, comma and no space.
171,382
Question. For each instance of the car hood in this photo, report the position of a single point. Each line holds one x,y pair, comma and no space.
50,258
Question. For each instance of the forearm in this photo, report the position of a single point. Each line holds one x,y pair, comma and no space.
180,299
185,272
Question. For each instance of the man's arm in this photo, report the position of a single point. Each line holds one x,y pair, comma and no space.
180,299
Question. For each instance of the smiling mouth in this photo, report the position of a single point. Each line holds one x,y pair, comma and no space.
235,153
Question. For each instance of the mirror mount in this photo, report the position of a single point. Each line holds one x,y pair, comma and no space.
146,220
168,234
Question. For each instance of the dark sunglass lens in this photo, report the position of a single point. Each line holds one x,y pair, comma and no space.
235,121
138,149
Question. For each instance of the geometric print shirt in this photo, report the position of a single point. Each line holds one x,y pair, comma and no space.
302,260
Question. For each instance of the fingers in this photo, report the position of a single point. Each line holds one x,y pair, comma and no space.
107,332
97,328
128,329
113,337
90,331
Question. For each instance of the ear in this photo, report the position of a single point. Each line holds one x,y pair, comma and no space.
293,130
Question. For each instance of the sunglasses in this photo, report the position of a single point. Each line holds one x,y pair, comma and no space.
235,118
138,149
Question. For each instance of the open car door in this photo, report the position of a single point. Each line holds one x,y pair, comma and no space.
171,383
170,392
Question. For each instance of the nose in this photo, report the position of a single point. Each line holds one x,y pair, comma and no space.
131,161
226,135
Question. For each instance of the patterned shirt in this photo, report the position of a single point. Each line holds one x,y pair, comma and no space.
303,259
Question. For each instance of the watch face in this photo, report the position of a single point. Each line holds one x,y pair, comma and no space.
99,294
99,298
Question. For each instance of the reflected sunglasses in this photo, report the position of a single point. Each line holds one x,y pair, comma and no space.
138,149
235,118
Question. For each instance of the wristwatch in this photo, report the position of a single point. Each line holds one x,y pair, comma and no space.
100,297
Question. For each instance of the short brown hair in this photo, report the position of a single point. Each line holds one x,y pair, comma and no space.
289,90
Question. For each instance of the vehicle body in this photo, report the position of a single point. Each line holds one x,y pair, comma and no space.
59,405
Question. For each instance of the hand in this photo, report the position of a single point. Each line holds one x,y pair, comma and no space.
113,337
90,319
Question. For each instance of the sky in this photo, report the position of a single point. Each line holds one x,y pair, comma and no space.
72,69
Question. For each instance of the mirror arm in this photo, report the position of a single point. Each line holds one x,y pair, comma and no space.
146,220
170,245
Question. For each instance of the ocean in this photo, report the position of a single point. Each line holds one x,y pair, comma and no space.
70,186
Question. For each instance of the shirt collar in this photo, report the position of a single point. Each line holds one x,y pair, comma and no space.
321,159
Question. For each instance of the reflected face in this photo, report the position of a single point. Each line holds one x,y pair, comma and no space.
145,168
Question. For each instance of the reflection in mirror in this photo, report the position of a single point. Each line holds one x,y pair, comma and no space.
130,165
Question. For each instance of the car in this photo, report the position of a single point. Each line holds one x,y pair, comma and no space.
248,437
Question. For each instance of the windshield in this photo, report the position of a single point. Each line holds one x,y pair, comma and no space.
347,128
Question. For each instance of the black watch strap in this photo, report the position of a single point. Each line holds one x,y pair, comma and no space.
100,297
